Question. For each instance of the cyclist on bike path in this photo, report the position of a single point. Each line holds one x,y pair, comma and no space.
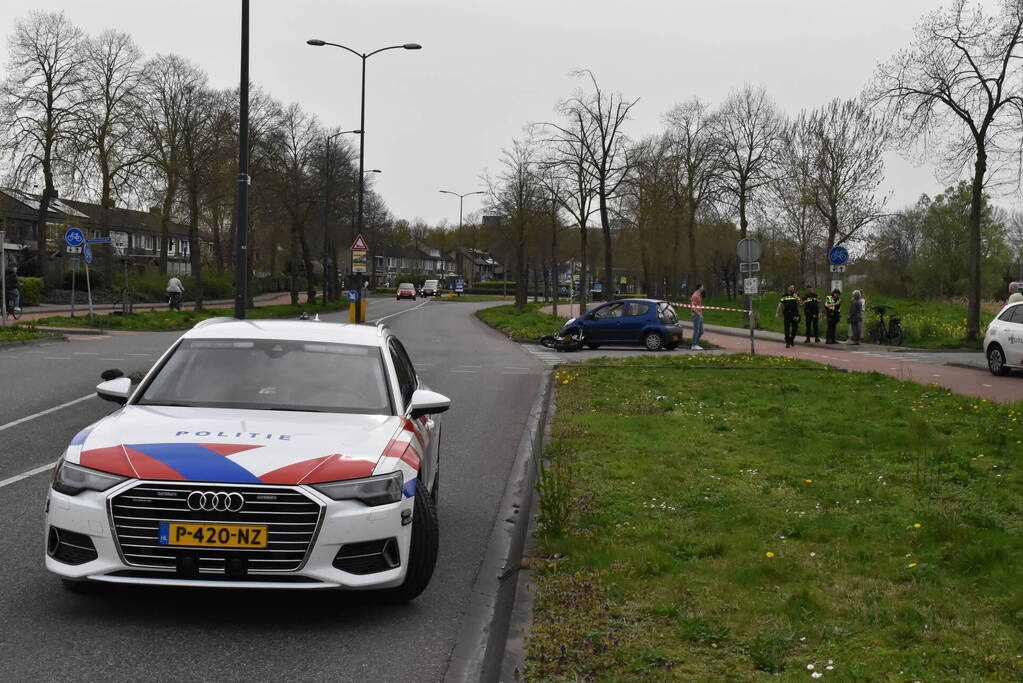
12,286
175,289
788,307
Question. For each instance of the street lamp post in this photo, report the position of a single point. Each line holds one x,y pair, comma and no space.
241,206
362,128
460,264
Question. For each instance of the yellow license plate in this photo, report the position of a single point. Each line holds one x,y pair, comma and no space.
212,535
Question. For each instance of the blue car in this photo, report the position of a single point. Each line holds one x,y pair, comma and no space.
648,322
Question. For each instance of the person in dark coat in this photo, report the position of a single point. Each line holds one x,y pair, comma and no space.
833,314
811,308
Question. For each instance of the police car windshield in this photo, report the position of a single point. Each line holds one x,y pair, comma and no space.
272,375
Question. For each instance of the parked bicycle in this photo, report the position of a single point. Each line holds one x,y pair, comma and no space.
889,333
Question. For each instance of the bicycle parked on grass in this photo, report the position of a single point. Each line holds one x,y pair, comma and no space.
890,333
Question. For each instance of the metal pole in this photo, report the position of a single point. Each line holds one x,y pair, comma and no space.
3,279
74,274
88,288
241,210
461,264
326,212
362,184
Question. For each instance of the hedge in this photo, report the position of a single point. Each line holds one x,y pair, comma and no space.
31,290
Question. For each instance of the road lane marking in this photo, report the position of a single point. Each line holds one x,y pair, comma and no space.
469,372
136,354
85,353
54,409
111,359
57,358
407,310
25,475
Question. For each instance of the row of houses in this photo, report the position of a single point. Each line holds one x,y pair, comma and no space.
136,234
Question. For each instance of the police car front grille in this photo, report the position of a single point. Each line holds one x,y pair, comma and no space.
292,520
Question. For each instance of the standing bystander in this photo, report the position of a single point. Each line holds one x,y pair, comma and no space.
857,313
788,307
833,311
811,307
696,301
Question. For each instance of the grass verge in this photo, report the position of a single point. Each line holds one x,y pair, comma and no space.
713,524
170,320
925,324
527,325
19,333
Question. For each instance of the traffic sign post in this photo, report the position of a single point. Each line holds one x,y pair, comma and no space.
748,250
460,286
74,237
360,251
838,257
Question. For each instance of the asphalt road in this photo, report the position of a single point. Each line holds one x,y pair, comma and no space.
47,633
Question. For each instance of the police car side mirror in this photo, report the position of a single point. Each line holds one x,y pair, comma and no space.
426,402
117,390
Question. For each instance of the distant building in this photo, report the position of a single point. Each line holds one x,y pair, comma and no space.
136,234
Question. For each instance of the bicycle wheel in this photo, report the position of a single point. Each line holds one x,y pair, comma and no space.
880,333
895,334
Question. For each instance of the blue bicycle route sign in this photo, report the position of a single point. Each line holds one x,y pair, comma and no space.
838,256
74,237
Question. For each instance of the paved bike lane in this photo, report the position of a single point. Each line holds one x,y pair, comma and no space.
969,382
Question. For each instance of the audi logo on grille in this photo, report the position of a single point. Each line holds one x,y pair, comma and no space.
215,501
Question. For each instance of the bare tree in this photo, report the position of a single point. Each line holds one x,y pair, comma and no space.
595,128
517,196
200,143
648,201
107,144
697,165
42,94
841,165
167,80
748,129
958,84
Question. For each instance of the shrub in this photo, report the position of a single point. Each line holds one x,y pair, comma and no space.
31,290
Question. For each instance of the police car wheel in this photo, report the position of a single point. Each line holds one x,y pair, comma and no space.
996,361
423,548
653,341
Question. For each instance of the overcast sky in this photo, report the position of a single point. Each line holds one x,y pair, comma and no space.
436,118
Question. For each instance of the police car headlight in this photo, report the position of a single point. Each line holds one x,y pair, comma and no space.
73,479
380,490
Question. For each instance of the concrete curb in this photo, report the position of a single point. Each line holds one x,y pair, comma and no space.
479,650
33,342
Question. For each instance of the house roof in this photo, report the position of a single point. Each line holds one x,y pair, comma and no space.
125,219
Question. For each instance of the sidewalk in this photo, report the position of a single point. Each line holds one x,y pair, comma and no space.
46,310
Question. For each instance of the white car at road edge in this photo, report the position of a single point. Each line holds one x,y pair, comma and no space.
1003,341
256,454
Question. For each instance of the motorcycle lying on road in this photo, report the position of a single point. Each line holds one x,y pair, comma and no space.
570,338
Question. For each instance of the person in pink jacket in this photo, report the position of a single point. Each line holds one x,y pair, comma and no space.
697,308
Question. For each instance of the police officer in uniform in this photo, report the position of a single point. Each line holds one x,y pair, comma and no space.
833,311
811,307
788,307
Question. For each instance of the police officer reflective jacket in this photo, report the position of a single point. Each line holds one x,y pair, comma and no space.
789,304
811,304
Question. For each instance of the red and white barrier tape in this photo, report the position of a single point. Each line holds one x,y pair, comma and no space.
710,308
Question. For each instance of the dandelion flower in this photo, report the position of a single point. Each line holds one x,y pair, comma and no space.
916,525
769,553
910,565
808,481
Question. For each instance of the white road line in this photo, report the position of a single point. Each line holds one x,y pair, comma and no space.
986,385
136,354
57,358
470,372
407,310
470,366
111,359
512,367
25,475
87,353
54,409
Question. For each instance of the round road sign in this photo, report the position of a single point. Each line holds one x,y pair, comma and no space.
838,256
748,250
74,237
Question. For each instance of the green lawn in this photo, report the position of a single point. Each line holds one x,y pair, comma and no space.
17,333
711,524
925,324
527,325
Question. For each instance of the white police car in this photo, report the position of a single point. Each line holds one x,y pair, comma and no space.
273,454
1003,341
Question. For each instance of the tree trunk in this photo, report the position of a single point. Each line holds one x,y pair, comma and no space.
218,240
194,252
310,281
973,306
42,257
521,273
168,204
743,223
691,237
555,283
292,274
582,272
106,203
605,225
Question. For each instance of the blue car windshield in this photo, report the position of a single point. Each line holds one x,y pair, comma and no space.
264,374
